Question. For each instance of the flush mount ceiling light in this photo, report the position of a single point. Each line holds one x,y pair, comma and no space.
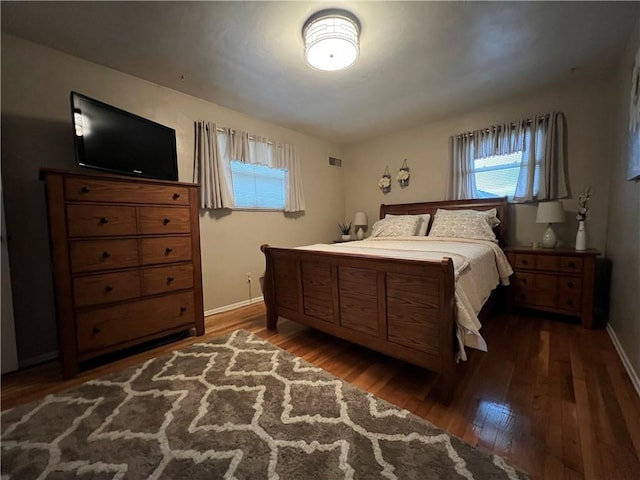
331,39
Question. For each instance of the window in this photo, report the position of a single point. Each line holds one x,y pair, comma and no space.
258,186
497,176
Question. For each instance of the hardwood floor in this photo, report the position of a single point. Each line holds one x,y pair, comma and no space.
550,397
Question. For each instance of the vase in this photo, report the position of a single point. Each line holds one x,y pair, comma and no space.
581,237
346,238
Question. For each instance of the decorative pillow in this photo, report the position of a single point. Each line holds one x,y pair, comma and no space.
401,226
465,224
423,222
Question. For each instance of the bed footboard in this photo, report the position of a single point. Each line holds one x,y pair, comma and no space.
402,308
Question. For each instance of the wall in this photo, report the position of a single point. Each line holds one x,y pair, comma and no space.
36,132
623,237
426,150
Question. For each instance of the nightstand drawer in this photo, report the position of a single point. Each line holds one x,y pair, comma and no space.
547,263
570,264
524,260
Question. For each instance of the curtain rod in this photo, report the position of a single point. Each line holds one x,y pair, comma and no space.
528,121
251,137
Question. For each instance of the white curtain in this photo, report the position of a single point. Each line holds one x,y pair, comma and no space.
462,178
215,148
542,171
210,169
287,157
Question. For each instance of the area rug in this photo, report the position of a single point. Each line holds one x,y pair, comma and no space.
234,407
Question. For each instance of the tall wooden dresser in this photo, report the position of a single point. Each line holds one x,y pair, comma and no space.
126,262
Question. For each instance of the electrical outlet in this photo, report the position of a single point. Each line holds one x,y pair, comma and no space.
248,277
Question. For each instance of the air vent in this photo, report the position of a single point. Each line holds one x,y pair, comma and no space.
336,162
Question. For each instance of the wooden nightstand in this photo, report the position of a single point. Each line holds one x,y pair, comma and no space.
553,280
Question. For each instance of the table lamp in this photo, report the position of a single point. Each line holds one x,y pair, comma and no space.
360,222
550,213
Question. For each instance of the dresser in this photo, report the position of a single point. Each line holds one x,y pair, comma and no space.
554,280
126,262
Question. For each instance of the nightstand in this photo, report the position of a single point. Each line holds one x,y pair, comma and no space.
553,280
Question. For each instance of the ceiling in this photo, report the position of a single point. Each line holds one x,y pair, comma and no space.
419,61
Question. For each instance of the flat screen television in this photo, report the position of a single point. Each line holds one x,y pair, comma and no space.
110,139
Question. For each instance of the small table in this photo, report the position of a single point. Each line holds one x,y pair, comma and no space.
558,280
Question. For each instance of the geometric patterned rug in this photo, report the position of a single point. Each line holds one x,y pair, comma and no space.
234,407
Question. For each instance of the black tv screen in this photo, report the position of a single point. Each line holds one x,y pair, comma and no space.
113,140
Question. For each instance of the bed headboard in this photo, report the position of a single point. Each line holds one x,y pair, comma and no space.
500,204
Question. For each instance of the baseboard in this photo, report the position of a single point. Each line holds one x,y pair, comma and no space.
233,306
30,362
625,360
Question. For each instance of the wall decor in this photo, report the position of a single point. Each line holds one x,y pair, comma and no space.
403,175
384,183
634,122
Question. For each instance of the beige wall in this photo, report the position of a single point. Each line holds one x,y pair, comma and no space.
426,150
36,132
623,237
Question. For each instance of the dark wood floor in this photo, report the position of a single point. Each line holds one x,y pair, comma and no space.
550,397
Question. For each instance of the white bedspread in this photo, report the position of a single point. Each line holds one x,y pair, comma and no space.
479,267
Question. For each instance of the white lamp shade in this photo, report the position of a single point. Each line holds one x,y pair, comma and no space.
360,219
550,212
331,40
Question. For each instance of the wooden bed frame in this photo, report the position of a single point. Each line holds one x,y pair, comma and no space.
402,308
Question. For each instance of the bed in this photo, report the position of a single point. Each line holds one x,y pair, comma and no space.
372,293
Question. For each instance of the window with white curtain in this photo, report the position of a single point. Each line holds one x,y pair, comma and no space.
522,160
258,186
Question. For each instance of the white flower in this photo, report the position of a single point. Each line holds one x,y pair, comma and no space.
584,201
384,182
402,175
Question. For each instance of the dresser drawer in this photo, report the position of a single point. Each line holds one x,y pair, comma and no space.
102,220
165,250
106,288
93,190
94,255
154,220
110,326
167,279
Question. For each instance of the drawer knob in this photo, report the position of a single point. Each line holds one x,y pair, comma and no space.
525,262
165,221
523,280
168,250
570,303
169,279
104,220
176,196
108,288
570,285
96,330
183,309
106,254
84,190
572,265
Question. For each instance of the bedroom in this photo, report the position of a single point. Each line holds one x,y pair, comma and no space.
36,81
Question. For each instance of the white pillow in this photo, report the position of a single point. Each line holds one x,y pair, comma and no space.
423,223
401,226
465,224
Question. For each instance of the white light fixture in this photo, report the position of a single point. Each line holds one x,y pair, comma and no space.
550,213
331,39
360,221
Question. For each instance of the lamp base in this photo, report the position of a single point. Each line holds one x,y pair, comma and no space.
360,233
549,239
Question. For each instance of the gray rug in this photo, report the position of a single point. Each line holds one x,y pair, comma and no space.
235,407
